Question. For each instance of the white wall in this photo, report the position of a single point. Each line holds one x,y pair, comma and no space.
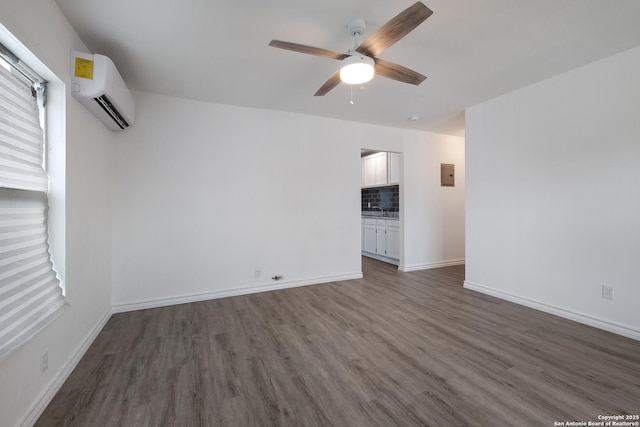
42,28
553,196
203,194
433,215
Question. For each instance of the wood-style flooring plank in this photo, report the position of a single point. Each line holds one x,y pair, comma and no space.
392,348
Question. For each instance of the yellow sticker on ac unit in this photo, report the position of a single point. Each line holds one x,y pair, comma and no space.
84,68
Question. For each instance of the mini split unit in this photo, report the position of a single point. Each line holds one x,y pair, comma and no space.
97,85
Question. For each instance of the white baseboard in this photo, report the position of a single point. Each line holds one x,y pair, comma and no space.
56,382
183,299
558,311
430,265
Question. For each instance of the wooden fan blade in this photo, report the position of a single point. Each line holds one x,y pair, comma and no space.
333,81
398,27
397,72
310,50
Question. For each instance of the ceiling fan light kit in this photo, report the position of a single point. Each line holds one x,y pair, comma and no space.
362,62
357,69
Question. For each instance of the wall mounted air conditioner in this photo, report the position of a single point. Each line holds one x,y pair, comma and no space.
97,85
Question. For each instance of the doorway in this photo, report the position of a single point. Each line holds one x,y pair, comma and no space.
380,205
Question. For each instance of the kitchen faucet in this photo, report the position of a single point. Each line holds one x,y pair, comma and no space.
381,210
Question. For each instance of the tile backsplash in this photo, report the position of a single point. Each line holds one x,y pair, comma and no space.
388,198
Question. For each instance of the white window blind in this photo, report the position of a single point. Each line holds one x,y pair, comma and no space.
30,293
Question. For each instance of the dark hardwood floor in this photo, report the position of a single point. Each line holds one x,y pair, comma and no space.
392,349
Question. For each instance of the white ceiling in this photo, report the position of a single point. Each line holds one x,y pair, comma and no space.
470,50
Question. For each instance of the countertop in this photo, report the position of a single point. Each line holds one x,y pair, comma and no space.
377,214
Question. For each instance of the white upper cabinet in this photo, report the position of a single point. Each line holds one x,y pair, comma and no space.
374,170
393,168
380,169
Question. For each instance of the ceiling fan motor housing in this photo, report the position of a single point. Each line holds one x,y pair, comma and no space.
356,27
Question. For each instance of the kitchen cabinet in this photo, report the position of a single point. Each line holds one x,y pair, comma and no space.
380,169
393,168
369,235
393,239
381,238
374,170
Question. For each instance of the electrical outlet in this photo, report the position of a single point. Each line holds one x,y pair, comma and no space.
607,292
44,362
257,273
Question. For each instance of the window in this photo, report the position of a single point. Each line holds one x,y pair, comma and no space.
30,292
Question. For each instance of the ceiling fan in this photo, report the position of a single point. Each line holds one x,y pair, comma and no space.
364,56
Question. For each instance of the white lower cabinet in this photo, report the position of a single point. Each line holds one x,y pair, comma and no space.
393,239
369,235
381,237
